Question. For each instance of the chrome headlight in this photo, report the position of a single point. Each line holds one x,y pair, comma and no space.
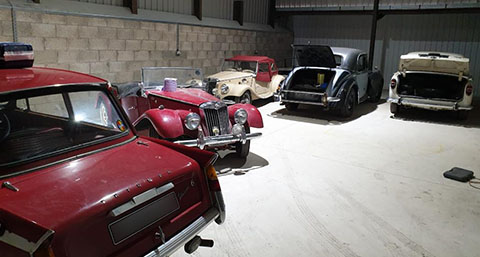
224,88
241,116
192,121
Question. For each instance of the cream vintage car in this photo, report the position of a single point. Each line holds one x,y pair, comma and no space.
434,81
245,78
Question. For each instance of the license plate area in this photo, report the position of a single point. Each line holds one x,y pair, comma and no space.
131,224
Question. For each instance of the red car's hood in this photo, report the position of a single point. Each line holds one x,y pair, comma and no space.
94,184
186,95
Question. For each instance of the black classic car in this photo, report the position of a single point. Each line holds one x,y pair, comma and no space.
332,77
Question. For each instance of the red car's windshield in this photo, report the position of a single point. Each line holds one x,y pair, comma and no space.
39,123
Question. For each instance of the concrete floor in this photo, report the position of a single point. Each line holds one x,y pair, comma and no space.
316,185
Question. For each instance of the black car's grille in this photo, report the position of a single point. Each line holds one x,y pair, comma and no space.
216,118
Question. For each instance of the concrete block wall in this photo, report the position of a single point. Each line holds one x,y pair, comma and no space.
116,49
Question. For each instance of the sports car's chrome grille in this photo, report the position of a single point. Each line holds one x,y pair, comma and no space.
216,118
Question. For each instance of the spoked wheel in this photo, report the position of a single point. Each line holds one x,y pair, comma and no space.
349,104
4,126
246,98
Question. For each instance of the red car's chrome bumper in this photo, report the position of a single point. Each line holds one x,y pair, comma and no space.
201,141
185,235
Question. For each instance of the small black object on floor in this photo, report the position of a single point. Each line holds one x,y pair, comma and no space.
459,174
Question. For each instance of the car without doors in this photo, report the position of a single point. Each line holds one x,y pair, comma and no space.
75,182
334,78
187,115
245,78
433,81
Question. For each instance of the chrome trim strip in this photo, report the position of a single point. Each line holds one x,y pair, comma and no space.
185,235
22,243
302,92
303,102
447,106
218,140
141,198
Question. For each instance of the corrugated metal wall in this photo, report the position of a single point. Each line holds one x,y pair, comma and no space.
106,2
355,3
173,6
397,35
221,9
256,11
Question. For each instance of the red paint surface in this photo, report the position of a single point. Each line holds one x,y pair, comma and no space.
248,58
75,196
254,117
28,78
186,95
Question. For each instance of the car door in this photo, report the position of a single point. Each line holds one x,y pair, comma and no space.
263,79
361,75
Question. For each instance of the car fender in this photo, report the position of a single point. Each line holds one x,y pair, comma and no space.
167,122
375,78
342,91
254,117
236,90
275,83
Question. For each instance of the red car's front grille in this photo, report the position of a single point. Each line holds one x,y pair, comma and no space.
216,118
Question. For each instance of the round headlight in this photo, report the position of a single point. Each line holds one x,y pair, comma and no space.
192,121
241,116
224,88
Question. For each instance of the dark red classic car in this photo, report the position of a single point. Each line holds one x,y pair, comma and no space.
77,183
187,115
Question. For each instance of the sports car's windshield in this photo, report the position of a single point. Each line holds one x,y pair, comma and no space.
154,77
39,123
240,66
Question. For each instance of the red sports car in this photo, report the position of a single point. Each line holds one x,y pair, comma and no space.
77,183
186,114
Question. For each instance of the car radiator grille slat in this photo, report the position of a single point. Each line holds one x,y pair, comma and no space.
216,116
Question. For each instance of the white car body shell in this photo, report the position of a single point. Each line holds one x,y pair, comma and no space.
433,63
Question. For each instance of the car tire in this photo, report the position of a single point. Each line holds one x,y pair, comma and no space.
394,108
243,150
348,106
291,106
375,91
246,98
462,115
